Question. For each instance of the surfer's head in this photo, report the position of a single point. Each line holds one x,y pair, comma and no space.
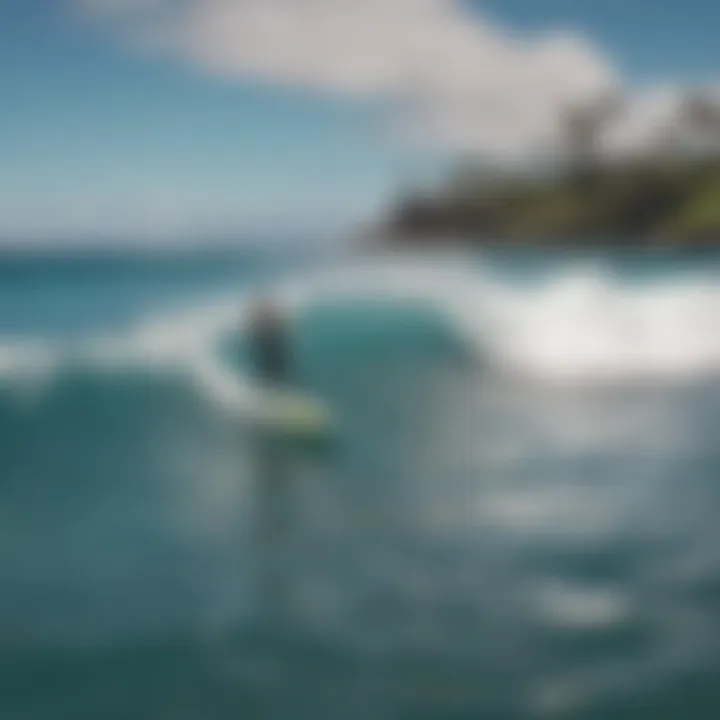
267,315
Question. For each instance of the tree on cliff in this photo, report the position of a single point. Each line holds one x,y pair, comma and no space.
582,127
700,116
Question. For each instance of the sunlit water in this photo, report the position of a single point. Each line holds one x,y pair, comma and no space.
519,518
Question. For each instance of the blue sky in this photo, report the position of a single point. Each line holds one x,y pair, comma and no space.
98,138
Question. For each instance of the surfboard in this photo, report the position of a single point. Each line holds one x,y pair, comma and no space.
293,417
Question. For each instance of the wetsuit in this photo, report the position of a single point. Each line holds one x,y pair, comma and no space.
270,351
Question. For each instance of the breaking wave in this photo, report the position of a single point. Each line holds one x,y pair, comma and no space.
582,323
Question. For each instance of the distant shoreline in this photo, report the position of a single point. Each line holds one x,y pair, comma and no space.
670,204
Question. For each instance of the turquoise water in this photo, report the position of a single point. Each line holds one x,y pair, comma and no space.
519,519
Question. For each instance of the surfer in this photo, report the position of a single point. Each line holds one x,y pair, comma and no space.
270,357
292,426
270,343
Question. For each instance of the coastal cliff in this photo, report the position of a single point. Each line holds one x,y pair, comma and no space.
643,203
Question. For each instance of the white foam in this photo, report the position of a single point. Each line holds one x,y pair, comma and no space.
582,608
588,326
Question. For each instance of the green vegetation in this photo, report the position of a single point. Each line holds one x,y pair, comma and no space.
650,201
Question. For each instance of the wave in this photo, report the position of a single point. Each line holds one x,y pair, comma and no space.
582,323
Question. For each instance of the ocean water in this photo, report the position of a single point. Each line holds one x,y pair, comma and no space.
519,518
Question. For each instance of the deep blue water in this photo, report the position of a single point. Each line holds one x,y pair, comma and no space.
519,519
81,290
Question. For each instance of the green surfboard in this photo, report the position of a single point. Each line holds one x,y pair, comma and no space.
295,418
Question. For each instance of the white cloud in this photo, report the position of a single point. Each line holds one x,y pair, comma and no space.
451,76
